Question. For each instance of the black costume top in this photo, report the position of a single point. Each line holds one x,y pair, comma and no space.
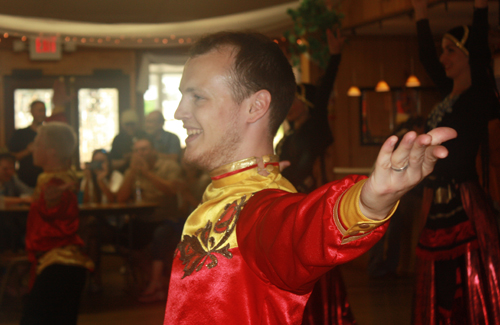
303,146
472,110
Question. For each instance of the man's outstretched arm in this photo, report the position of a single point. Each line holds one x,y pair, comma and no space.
290,239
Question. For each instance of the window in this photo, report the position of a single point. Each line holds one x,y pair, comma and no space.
22,100
163,94
98,120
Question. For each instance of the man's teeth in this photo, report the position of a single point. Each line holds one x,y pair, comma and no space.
194,131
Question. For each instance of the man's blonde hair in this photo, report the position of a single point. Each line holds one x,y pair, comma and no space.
60,137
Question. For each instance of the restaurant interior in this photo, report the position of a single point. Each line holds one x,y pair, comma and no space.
116,55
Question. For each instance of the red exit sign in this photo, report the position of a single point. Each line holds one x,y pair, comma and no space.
46,44
45,48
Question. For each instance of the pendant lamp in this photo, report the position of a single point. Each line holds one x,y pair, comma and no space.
382,86
354,90
412,80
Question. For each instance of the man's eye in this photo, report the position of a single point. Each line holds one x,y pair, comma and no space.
197,97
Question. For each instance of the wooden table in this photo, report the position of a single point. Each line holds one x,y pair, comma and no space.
100,211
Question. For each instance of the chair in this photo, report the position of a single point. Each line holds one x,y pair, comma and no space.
9,262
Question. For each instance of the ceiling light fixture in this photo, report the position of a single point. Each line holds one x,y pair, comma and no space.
412,80
382,86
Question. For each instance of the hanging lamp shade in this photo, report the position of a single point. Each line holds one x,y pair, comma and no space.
354,92
382,87
412,82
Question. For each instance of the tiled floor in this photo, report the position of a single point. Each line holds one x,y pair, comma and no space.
374,302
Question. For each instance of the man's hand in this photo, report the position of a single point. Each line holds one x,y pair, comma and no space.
87,173
138,164
398,171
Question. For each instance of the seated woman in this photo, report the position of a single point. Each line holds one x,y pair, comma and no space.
99,185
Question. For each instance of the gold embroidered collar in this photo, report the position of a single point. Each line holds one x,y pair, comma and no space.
235,171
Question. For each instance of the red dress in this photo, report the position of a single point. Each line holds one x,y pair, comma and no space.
253,250
51,231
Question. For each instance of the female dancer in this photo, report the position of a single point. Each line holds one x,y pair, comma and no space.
458,250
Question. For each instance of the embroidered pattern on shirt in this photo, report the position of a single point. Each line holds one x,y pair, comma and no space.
198,249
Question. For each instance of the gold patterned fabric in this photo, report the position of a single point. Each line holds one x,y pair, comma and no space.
67,255
67,176
211,227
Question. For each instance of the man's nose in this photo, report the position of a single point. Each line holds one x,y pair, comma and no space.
182,111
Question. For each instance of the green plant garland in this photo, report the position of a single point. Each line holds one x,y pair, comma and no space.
311,20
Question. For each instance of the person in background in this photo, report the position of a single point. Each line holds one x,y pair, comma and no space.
168,235
309,135
304,146
197,181
164,142
21,145
59,102
52,242
12,192
121,148
99,185
150,178
458,251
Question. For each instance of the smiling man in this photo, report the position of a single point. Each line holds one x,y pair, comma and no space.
253,249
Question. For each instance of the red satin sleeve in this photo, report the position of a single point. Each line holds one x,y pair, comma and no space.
290,239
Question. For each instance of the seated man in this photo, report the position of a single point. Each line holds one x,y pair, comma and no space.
121,148
165,143
150,178
12,192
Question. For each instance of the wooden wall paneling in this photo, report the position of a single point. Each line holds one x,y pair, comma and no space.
364,56
361,12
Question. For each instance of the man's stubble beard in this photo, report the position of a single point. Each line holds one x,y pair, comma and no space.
219,154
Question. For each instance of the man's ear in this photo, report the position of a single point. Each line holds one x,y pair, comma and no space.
259,105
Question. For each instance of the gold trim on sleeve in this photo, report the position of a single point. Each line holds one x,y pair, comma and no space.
348,216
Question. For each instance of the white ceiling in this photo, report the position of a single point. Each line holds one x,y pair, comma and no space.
131,11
